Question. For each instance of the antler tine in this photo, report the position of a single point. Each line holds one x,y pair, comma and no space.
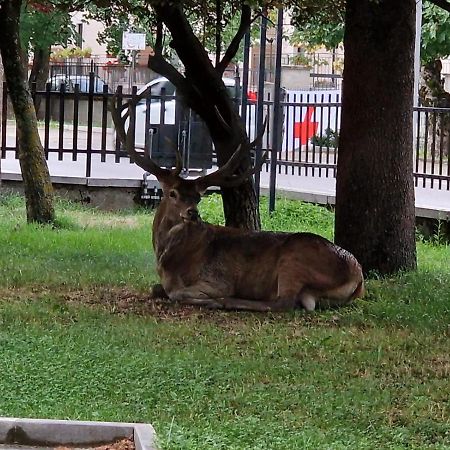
179,161
127,138
237,179
226,171
225,176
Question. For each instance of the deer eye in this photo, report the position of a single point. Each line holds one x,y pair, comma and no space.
172,194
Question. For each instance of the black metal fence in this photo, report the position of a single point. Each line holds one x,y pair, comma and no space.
77,126
73,72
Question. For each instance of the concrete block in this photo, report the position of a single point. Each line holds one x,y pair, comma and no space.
45,432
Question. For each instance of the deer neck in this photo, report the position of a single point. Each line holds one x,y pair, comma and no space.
165,219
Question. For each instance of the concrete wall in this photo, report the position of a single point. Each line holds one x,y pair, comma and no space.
295,77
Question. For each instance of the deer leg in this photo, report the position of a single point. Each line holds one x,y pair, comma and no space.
293,293
158,291
240,304
195,296
206,302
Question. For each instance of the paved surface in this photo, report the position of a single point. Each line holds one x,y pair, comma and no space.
319,189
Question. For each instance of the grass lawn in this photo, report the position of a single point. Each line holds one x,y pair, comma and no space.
81,340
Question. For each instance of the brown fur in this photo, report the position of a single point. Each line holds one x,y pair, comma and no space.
224,267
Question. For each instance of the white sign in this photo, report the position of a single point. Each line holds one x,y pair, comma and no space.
133,41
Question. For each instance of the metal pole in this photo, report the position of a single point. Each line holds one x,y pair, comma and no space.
277,116
417,66
417,51
245,69
260,102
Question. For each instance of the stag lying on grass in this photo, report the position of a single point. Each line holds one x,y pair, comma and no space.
229,268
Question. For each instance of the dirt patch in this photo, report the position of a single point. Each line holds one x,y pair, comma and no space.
124,301
123,444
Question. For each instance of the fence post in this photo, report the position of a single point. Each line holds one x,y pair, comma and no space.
260,102
90,118
105,97
277,116
48,87
245,69
118,105
4,117
62,92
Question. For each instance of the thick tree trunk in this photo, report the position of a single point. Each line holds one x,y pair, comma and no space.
39,73
240,205
375,217
36,178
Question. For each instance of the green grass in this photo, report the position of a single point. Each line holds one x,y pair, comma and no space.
81,340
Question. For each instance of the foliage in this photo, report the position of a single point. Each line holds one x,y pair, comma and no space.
319,28
374,375
435,33
144,21
72,52
40,28
329,139
323,25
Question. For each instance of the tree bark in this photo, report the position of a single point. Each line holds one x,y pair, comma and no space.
35,174
375,216
39,73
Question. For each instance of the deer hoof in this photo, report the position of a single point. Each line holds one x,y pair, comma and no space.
158,291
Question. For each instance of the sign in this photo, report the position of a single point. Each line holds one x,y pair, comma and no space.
133,41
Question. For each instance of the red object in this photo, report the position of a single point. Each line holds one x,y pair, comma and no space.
306,129
252,96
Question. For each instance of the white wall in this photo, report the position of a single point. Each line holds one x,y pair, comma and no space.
90,34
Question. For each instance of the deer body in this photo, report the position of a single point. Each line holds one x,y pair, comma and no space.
236,269
229,268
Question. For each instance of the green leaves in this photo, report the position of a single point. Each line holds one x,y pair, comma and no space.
435,33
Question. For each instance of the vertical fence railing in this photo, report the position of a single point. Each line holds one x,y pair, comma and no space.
432,148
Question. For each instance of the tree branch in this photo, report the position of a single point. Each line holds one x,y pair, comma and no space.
444,4
159,38
235,42
218,30
204,89
157,63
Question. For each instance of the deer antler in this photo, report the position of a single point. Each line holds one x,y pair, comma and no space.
225,176
127,138
179,161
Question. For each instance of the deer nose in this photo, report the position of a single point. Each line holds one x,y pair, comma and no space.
192,213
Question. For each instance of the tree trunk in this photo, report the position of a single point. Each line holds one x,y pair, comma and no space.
375,216
240,205
36,178
39,73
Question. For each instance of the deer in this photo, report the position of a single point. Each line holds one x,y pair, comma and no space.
229,268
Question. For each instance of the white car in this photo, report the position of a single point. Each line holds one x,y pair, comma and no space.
168,116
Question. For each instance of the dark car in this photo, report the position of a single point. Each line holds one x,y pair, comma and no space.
71,80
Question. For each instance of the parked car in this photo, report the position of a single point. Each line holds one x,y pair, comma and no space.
71,80
156,88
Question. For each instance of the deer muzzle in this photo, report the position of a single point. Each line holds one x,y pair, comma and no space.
190,215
